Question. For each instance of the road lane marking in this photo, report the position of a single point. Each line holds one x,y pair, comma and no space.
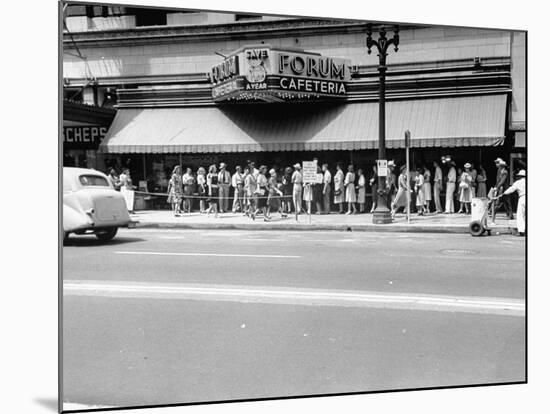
266,256
296,296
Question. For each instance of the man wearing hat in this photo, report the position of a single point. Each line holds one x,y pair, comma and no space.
519,186
451,185
501,186
224,181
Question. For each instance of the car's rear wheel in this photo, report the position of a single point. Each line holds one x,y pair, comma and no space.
107,234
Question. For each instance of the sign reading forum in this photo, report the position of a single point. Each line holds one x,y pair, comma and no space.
265,73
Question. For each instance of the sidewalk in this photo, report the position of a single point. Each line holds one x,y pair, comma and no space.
432,223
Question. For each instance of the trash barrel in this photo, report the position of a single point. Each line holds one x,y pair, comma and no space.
479,208
479,218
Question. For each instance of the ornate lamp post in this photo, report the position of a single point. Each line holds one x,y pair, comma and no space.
382,214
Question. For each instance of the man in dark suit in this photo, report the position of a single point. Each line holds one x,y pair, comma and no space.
502,184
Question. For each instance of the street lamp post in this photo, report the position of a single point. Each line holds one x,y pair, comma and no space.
382,214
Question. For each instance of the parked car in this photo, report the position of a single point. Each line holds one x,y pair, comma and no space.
91,204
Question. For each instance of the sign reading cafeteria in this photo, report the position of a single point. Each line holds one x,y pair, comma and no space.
273,75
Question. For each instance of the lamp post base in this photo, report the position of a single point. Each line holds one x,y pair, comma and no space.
381,216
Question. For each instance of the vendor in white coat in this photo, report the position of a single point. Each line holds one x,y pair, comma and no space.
519,186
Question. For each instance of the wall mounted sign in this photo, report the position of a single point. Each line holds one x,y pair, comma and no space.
83,137
269,74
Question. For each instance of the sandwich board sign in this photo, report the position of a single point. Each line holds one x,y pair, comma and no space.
309,172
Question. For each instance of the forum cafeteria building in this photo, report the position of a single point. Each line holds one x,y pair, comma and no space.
212,87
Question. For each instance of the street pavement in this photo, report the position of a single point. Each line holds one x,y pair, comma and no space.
176,316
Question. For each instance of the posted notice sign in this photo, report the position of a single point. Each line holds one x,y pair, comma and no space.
382,168
309,171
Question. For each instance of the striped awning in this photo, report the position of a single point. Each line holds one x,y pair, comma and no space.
435,122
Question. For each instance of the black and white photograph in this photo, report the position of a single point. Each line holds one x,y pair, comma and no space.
265,206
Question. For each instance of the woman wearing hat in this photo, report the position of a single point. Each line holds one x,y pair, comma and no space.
297,182
349,183
262,192
401,197
465,188
419,190
175,190
275,194
201,188
519,187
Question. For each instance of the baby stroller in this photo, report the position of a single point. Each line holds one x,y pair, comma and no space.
480,212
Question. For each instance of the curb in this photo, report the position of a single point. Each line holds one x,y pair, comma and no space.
384,228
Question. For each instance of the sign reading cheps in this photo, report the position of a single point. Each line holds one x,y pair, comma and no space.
262,72
83,137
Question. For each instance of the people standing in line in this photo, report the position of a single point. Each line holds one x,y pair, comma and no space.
237,182
339,188
373,181
438,185
318,191
188,190
113,179
501,186
401,198
287,190
327,190
391,183
127,189
450,190
297,188
275,194
202,189
427,187
250,192
262,192
466,190
481,179
213,191
519,187
361,191
224,182
175,191
349,184
419,190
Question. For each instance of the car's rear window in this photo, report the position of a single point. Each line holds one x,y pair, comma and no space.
93,180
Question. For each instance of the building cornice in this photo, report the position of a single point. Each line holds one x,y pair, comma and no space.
248,30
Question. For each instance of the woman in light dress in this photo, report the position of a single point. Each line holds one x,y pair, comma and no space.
201,188
250,192
349,184
400,199
465,188
127,189
213,190
308,196
175,191
427,187
419,190
361,183
339,195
